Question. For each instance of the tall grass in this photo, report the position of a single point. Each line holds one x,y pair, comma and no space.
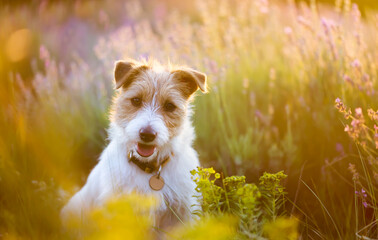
275,70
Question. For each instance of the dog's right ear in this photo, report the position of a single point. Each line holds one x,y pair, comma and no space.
126,71
191,80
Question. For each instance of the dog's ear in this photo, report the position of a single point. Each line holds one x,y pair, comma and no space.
126,71
191,80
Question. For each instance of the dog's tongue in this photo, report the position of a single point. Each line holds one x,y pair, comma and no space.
145,150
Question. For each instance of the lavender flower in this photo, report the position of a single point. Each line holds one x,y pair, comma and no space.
363,196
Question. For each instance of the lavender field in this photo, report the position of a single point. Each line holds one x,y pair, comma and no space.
292,87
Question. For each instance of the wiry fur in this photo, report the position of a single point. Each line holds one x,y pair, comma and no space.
156,85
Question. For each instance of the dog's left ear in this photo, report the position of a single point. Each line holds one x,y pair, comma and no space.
121,71
192,80
126,71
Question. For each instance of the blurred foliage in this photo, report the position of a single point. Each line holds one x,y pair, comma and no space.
129,216
124,216
282,229
209,227
275,70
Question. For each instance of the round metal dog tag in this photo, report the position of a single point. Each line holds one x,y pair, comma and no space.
156,182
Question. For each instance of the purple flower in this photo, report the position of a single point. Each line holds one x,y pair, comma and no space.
356,63
363,196
363,193
358,112
288,30
340,148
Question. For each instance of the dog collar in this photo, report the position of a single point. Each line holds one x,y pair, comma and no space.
147,167
156,181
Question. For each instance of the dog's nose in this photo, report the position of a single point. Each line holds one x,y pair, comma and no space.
147,134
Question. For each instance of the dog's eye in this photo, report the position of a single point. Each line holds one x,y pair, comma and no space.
169,107
137,102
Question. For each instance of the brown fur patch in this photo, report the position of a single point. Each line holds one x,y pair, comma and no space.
170,92
126,71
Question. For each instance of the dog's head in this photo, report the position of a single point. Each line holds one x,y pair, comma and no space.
152,104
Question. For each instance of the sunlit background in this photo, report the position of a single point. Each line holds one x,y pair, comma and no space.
293,87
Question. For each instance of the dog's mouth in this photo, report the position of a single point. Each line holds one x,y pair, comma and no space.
145,150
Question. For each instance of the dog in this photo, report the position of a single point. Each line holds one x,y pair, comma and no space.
150,142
